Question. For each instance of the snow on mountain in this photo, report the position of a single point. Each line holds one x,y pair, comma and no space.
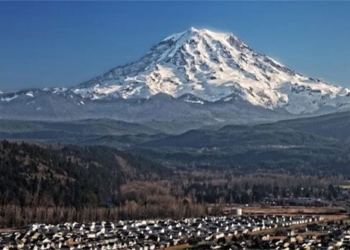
8,99
197,77
214,67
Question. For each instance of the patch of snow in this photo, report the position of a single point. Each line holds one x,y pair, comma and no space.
194,101
31,102
174,37
8,99
59,90
30,94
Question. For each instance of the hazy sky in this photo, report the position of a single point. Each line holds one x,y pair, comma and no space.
65,43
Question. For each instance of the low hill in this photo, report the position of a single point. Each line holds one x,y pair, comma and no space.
308,145
33,174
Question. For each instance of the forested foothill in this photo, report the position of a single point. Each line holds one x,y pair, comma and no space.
53,183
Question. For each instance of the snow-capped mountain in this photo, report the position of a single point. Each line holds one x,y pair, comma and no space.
214,66
196,75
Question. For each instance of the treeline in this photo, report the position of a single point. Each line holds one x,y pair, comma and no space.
213,187
18,217
255,188
178,197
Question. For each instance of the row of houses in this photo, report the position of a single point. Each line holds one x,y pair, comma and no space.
329,237
143,234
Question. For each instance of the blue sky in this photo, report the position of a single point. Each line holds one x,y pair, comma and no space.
65,43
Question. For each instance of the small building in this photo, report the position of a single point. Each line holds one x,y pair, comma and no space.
236,211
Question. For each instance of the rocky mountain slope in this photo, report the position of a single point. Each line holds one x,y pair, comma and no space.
197,75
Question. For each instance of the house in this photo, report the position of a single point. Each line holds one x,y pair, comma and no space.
290,232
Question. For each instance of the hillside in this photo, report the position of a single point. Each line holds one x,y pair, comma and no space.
67,175
250,149
308,145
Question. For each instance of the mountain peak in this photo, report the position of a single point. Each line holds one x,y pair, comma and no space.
201,66
193,29
197,75
213,66
192,32
183,35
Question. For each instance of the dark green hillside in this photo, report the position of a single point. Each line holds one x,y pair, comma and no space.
73,132
68,175
308,144
120,141
332,126
252,148
88,127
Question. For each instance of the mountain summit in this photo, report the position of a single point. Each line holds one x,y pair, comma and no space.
214,66
194,75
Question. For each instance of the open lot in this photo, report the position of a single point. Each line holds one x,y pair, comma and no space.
294,210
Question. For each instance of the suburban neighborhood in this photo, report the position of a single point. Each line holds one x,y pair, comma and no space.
240,232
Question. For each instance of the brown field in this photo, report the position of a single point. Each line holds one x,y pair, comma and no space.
294,210
178,247
8,230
